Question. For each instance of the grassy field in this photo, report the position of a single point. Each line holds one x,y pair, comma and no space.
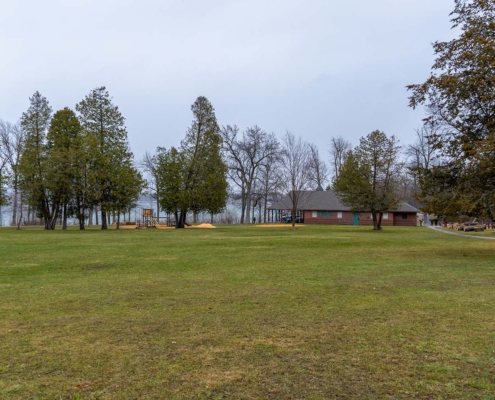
246,313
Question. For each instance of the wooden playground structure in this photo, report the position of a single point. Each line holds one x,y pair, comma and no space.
149,220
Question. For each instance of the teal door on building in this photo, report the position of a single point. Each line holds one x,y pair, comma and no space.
355,220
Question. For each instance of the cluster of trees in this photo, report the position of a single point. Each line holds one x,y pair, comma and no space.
252,157
456,165
65,164
260,168
72,163
378,174
369,179
191,178
450,169
213,164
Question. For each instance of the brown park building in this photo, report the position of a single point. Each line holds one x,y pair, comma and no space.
324,207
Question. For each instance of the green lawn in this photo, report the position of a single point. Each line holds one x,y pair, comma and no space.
246,313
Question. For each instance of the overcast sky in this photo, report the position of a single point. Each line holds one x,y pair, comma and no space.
319,68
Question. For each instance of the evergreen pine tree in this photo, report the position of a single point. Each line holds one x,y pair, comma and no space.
102,121
369,177
62,137
33,166
204,180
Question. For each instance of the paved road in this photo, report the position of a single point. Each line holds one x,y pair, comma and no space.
439,229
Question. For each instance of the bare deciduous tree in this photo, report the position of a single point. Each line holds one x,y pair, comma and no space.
236,160
150,165
338,150
11,147
3,173
422,152
317,169
294,160
269,182
421,155
245,156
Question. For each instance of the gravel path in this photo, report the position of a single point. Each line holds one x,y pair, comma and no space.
439,229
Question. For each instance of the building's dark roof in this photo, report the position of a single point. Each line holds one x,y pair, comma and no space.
406,207
325,201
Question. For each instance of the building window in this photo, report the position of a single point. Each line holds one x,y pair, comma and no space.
385,215
339,214
324,213
404,216
314,214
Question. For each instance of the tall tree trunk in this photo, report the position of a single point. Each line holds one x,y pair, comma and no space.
96,215
103,219
183,217
46,216
377,220
157,208
53,220
80,215
243,204
248,206
18,222
178,222
181,223
64,223
52,215
265,203
195,217
118,219
14,205
211,219
379,224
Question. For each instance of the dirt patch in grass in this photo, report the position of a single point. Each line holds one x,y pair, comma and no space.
202,226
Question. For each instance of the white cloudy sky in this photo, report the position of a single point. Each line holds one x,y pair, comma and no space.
318,68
